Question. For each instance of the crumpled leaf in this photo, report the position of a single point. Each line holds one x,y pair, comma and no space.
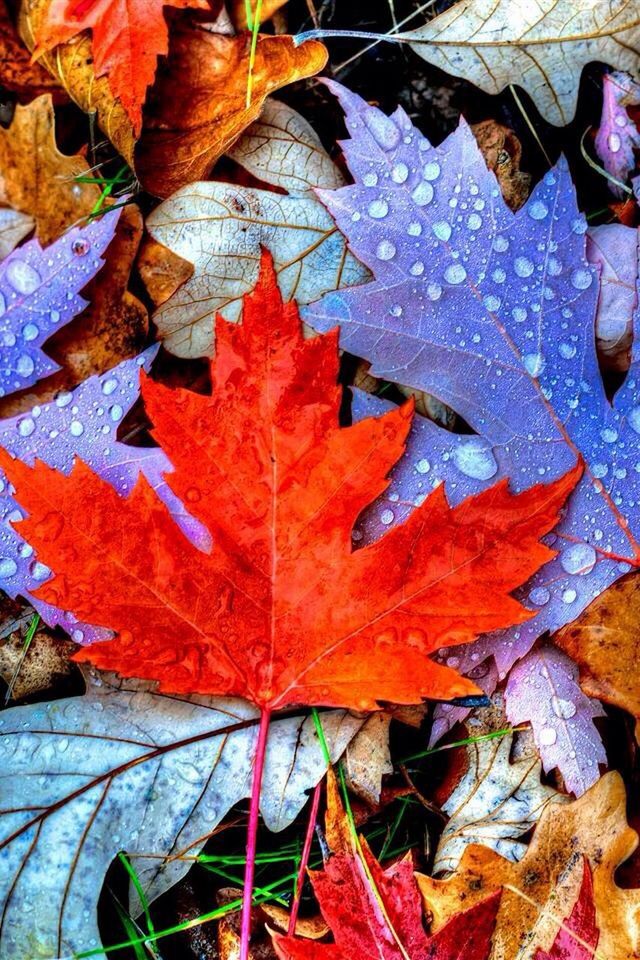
44,666
543,688
368,758
492,312
14,227
198,107
543,887
496,802
618,137
40,291
376,913
128,36
75,792
37,179
113,326
605,643
614,249
279,485
229,225
80,423
540,47
502,152
577,939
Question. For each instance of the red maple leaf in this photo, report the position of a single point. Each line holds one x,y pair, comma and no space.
282,610
578,936
128,38
373,912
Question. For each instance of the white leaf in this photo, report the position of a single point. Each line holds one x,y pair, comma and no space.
14,227
125,768
541,46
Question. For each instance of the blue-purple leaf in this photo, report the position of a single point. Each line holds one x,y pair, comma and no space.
40,292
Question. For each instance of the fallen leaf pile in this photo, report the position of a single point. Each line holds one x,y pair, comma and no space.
319,480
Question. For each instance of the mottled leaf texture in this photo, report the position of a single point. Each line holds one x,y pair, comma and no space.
128,38
544,886
39,292
282,610
493,312
541,46
578,937
125,768
83,422
496,802
618,137
377,913
221,228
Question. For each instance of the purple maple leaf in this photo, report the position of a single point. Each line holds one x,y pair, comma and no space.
493,312
84,424
39,292
618,137
543,688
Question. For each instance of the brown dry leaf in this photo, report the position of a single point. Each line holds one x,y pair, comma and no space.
368,758
46,663
547,879
36,178
114,325
238,11
605,643
502,152
162,270
17,73
72,64
189,124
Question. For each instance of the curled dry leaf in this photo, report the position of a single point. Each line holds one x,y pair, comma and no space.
496,801
502,152
543,887
605,643
124,768
238,10
14,227
113,326
368,758
541,47
229,225
189,124
43,666
36,178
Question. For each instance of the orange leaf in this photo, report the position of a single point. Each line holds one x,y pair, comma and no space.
128,38
282,610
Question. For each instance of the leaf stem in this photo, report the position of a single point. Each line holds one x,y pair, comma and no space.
304,859
252,833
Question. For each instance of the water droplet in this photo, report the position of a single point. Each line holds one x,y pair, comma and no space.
395,310
370,179
431,170
54,316
77,635
548,736
474,221
414,229
475,459
385,250
434,292
567,350
423,466
387,517
26,426
523,267
581,279
25,365
7,567
423,194
116,412
609,435
399,173
76,428
534,363
416,269
64,398
39,571
634,419
455,273
569,595
30,331
614,142
22,276
500,244
442,230
578,558
537,210
80,247
378,209
539,596
564,709
492,303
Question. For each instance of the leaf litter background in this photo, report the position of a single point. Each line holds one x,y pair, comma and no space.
418,795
